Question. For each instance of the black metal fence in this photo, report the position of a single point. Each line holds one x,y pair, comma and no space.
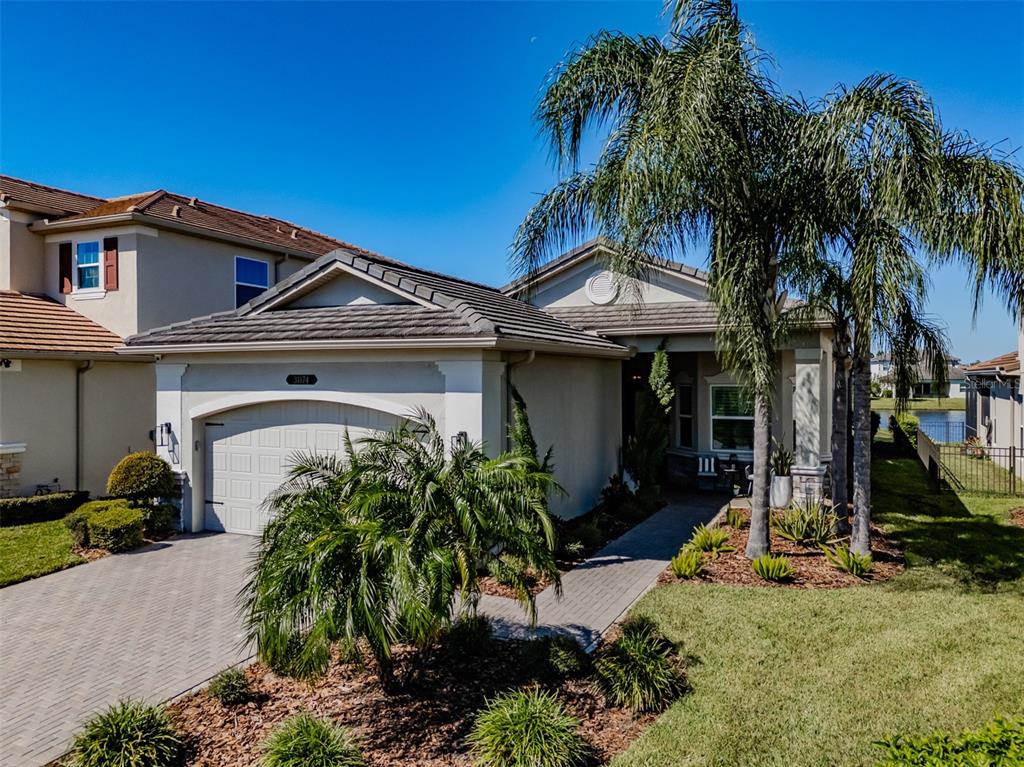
971,467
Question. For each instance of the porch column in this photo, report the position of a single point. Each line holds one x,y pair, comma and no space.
808,473
174,433
473,401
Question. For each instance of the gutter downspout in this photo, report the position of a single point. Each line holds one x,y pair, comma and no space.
509,367
85,367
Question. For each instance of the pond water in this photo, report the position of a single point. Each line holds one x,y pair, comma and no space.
940,425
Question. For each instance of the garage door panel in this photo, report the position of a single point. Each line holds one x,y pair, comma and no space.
250,451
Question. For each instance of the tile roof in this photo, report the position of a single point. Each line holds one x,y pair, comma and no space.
37,324
682,316
1004,363
440,306
19,193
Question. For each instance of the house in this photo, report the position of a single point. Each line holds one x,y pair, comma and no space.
995,403
78,274
926,385
356,341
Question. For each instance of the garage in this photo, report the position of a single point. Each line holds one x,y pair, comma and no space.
250,450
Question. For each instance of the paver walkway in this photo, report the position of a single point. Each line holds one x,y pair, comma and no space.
148,624
598,591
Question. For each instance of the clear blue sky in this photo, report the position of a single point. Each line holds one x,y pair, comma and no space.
407,128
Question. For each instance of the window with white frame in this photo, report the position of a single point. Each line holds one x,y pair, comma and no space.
684,415
87,264
732,418
252,277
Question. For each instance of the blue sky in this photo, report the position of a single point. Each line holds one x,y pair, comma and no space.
407,128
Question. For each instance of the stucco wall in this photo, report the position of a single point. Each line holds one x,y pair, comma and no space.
568,288
574,406
22,264
37,407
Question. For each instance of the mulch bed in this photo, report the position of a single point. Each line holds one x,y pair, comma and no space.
495,588
1017,516
813,570
90,555
424,723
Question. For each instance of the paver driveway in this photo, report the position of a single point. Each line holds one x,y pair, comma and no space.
148,624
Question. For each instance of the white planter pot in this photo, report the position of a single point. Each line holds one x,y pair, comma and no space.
781,492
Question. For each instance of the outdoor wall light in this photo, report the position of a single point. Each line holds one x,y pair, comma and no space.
163,434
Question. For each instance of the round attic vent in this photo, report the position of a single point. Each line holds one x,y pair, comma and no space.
601,288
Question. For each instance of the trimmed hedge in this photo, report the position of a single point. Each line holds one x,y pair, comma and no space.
39,508
159,520
78,520
142,475
118,528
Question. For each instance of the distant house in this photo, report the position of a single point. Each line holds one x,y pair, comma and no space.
926,385
994,410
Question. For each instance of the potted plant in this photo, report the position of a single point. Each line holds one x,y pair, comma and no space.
782,482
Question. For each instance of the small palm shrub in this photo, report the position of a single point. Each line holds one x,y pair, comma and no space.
711,539
118,528
773,568
128,734
555,657
305,741
639,670
806,524
230,687
734,518
687,563
848,561
141,475
526,728
469,635
998,743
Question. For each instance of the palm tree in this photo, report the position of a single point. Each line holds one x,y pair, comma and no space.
699,146
385,545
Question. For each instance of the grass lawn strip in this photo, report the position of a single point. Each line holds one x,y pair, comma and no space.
923,403
28,551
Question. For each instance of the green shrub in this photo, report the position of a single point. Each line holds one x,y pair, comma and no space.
78,520
39,508
129,734
159,520
142,476
555,657
1000,743
710,539
773,568
469,635
304,741
526,728
639,669
230,687
806,524
118,528
589,534
781,460
849,562
909,425
687,563
735,518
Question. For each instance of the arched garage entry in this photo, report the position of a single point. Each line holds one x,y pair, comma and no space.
249,451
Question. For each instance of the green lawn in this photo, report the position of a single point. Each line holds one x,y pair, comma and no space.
28,551
787,677
924,403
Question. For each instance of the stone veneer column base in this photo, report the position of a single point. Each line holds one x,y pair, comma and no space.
808,482
10,468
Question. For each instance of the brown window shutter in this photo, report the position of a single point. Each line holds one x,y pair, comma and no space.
64,281
110,263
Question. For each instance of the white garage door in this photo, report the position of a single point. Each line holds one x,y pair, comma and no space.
249,452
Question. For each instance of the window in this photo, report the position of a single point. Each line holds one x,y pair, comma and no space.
88,264
252,277
732,419
684,410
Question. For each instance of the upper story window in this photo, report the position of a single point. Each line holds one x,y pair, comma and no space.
732,418
87,263
252,277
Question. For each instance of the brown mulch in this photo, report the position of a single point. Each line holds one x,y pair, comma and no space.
1017,516
90,555
493,587
813,570
425,722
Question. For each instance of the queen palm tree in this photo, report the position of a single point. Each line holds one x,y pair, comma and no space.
699,146
385,545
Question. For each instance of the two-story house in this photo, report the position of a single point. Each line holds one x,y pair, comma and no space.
80,273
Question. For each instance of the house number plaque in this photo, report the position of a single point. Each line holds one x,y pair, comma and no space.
301,379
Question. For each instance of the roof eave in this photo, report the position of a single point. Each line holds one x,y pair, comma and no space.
51,354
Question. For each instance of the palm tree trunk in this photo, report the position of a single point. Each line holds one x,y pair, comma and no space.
860,540
840,415
757,540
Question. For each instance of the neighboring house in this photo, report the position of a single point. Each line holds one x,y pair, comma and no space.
995,404
926,385
356,341
79,273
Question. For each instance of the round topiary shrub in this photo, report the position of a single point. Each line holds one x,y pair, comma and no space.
304,741
141,475
230,687
639,670
129,734
526,728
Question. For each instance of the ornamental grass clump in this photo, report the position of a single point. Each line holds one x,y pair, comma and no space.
734,518
806,524
526,728
128,734
688,563
230,687
639,670
713,540
771,567
555,657
305,741
850,562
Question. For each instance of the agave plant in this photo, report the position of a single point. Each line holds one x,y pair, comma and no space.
714,540
687,563
773,568
850,562
807,524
